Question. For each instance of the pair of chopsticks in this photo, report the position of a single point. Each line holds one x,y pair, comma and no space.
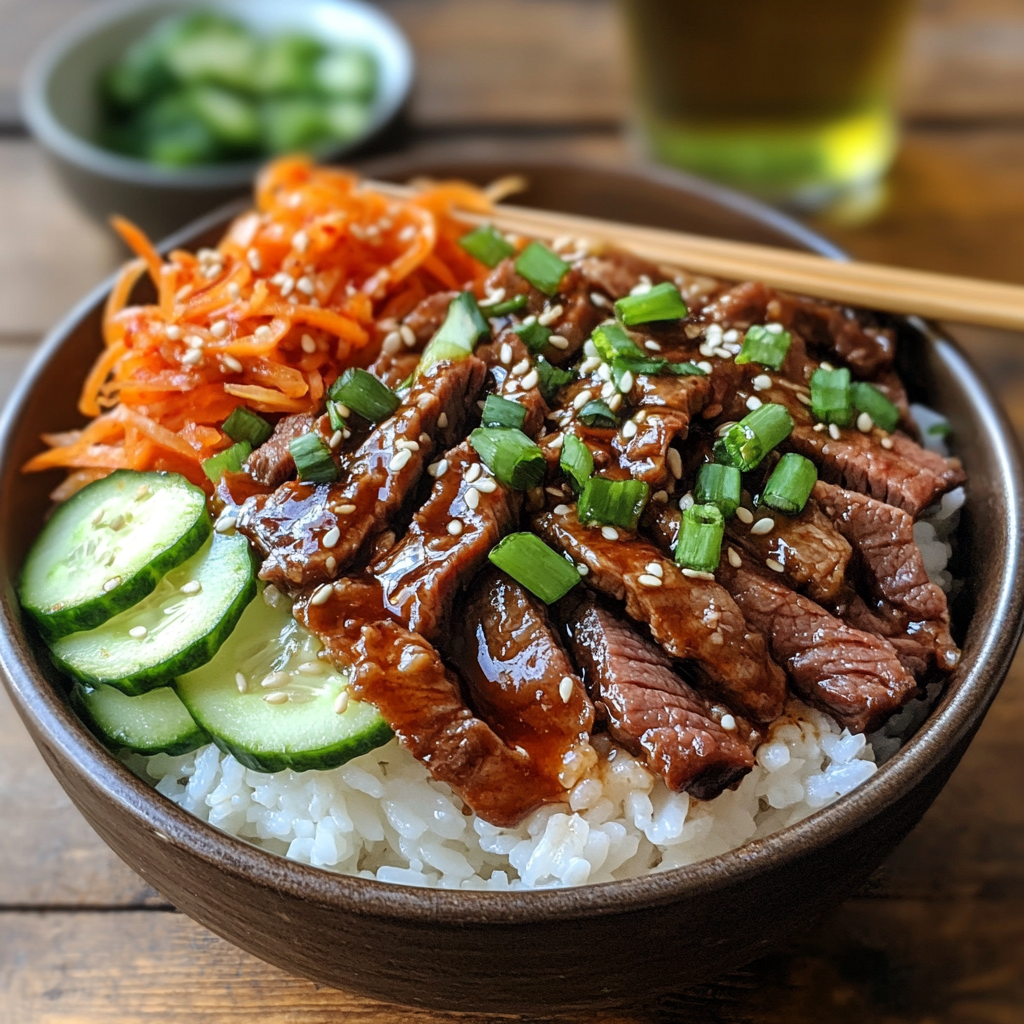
872,285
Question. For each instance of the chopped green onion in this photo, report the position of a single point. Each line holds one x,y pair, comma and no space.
612,342
365,394
867,398
541,267
313,459
612,502
539,568
500,412
534,336
334,414
576,461
719,485
550,379
831,396
662,302
766,347
597,414
686,369
512,305
941,429
486,245
746,443
700,538
228,461
456,338
244,425
790,484
510,455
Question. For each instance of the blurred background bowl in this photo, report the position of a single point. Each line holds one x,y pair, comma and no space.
62,106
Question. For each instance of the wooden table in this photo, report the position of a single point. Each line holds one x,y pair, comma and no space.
938,933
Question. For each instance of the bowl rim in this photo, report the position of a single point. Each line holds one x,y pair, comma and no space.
81,152
55,726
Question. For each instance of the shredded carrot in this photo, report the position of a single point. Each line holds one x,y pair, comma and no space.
298,290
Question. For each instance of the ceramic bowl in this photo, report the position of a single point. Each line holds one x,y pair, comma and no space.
595,946
60,101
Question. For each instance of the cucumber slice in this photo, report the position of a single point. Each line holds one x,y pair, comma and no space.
104,549
175,629
152,723
303,733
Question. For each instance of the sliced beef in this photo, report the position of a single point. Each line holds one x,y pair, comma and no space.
691,618
426,319
510,363
289,527
272,463
853,675
899,601
905,475
742,305
423,573
617,273
649,709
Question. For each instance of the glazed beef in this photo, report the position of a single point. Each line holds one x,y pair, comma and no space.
693,619
899,601
649,709
272,463
853,675
617,273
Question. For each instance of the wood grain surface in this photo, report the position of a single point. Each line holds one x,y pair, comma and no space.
937,935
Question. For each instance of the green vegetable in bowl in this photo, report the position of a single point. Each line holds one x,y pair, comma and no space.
203,88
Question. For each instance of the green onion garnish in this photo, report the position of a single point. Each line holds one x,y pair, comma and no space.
364,394
746,443
612,342
597,414
313,459
244,425
512,305
539,568
700,538
228,461
456,338
718,485
831,396
486,245
541,267
790,484
576,461
687,369
500,412
867,398
534,336
766,347
612,502
662,302
510,455
334,414
941,429
550,379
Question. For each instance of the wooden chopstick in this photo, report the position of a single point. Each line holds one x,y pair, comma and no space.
872,285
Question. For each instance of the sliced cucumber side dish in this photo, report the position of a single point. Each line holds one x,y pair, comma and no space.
105,549
152,723
176,628
267,698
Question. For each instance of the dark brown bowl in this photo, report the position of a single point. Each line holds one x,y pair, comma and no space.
598,945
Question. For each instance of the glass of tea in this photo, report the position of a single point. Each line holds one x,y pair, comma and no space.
791,99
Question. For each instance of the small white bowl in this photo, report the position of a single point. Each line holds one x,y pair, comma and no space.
60,101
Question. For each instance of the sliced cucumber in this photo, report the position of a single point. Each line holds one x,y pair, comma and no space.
177,628
152,723
104,549
303,732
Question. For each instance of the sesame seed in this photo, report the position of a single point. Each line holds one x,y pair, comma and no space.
608,390
660,496
392,343
744,515
705,366
195,341
562,510
557,441
493,298
473,472
589,365
262,333
819,427
345,510
734,558
442,420
505,353
655,569
225,524
471,498
531,380
722,353
776,329
648,580
640,289
774,565
629,429
277,697
341,702
802,398
652,346
331,537
436,469
404,444
549,316
599,300
865,423
887,443
725,428
833,432
565,689
641,416
336,439
826,365
486,486
675,462
557,341
330,563
191,357
555,492
763,526
137,632
308,344
232,364
521,367
305,285
192,587
321,594
241,682
753,402
696,574
234,292
609,533
582,569
728,723
604,371
111,583
582,398
408,335
173,332
300,241
311,668
455,527
400,460
626,382
219,329
590,349
762,382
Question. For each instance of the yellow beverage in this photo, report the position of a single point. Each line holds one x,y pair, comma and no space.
792,99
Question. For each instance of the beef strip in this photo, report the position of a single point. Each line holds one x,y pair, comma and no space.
649,709
900,602
510,362
422,574
853,675
691,618
272,463
397,358
617,273
289,526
